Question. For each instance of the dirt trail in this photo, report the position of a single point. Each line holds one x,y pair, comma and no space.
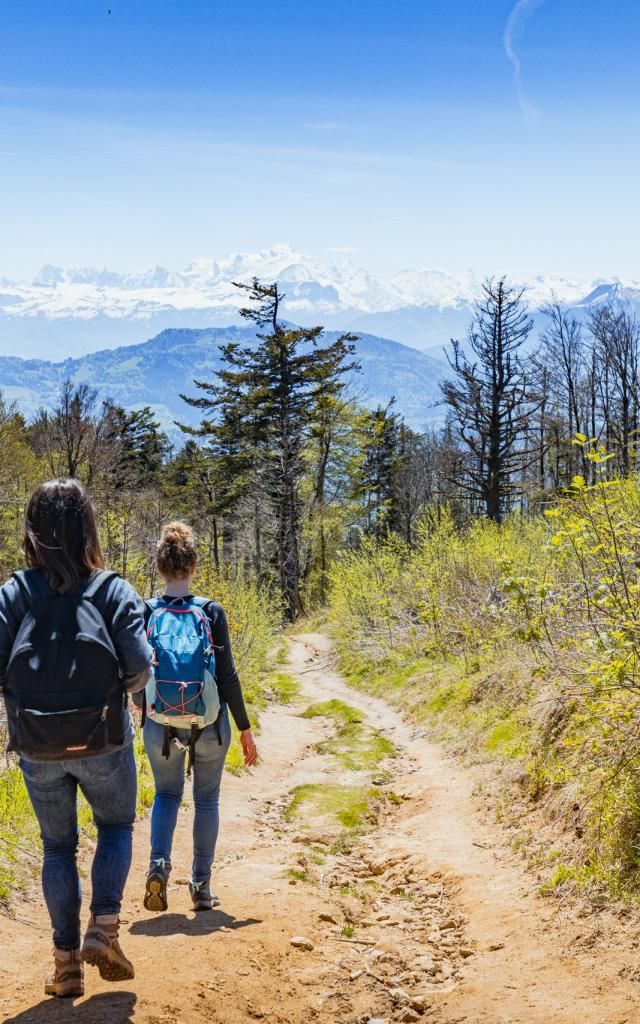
433,918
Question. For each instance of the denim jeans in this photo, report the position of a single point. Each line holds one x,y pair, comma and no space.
109,785
169,778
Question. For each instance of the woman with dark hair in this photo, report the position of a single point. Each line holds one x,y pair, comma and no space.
72,645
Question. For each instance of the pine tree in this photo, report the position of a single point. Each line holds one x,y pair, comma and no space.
263,408
225,466
142,446
377,467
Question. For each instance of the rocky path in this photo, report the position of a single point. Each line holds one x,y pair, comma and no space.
425,916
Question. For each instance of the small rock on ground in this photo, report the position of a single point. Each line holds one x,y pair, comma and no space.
409,1015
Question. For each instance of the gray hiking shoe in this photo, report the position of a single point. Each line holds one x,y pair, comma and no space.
155,895
67,980
101,949
202,897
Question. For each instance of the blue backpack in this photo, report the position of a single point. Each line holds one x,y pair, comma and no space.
182,692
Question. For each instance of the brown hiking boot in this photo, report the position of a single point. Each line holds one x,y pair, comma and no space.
102,949
67,980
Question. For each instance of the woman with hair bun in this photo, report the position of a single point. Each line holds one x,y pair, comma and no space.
186,716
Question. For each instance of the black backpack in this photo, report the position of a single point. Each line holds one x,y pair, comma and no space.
63,692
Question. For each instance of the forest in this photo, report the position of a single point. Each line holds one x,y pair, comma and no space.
484,575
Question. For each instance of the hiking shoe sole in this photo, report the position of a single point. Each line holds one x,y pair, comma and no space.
155,897
111,969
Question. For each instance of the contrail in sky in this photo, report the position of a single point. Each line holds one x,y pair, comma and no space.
512,32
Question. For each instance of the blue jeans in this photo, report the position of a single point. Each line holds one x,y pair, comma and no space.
169,777
109,785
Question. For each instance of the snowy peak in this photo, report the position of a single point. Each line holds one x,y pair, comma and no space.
420,306
437,287
307,279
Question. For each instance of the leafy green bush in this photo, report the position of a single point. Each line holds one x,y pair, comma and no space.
523,642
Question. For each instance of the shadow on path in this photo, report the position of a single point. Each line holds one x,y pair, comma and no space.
116,1008
196,924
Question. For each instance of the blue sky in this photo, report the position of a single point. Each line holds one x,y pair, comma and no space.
398,132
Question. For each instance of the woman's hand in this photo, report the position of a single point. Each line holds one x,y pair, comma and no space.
249,747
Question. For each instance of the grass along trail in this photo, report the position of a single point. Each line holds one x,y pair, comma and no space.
363,843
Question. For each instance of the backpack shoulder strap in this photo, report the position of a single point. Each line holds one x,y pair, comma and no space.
97,582
33,584
151,606
202,604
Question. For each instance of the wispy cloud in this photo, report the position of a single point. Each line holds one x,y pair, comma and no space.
512,34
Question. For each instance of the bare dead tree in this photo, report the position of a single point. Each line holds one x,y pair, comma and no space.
562,382
490,396
72,438
616,342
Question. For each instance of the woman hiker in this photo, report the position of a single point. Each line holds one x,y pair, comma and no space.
186,716
72,645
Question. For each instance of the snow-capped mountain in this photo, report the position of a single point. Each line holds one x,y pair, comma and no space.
70,312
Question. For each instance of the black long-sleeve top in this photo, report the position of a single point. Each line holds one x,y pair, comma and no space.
227,679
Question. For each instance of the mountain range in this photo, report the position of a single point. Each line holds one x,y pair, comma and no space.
68,313
156,372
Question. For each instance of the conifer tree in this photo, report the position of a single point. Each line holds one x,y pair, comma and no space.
142,446
224,466
263,407
377,466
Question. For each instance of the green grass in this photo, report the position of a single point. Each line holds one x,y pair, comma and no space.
345,805
19,837
280,656
146,787
255,698
299,874
509,738
561,875
284,687
85,819
342,713
358,747
481,701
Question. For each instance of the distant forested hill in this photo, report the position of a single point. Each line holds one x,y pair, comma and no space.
156,372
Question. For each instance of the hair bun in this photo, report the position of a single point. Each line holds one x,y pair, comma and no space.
177,553
177,533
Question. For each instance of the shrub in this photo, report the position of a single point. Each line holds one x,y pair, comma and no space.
524,637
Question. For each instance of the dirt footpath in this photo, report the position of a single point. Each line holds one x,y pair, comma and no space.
427,917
